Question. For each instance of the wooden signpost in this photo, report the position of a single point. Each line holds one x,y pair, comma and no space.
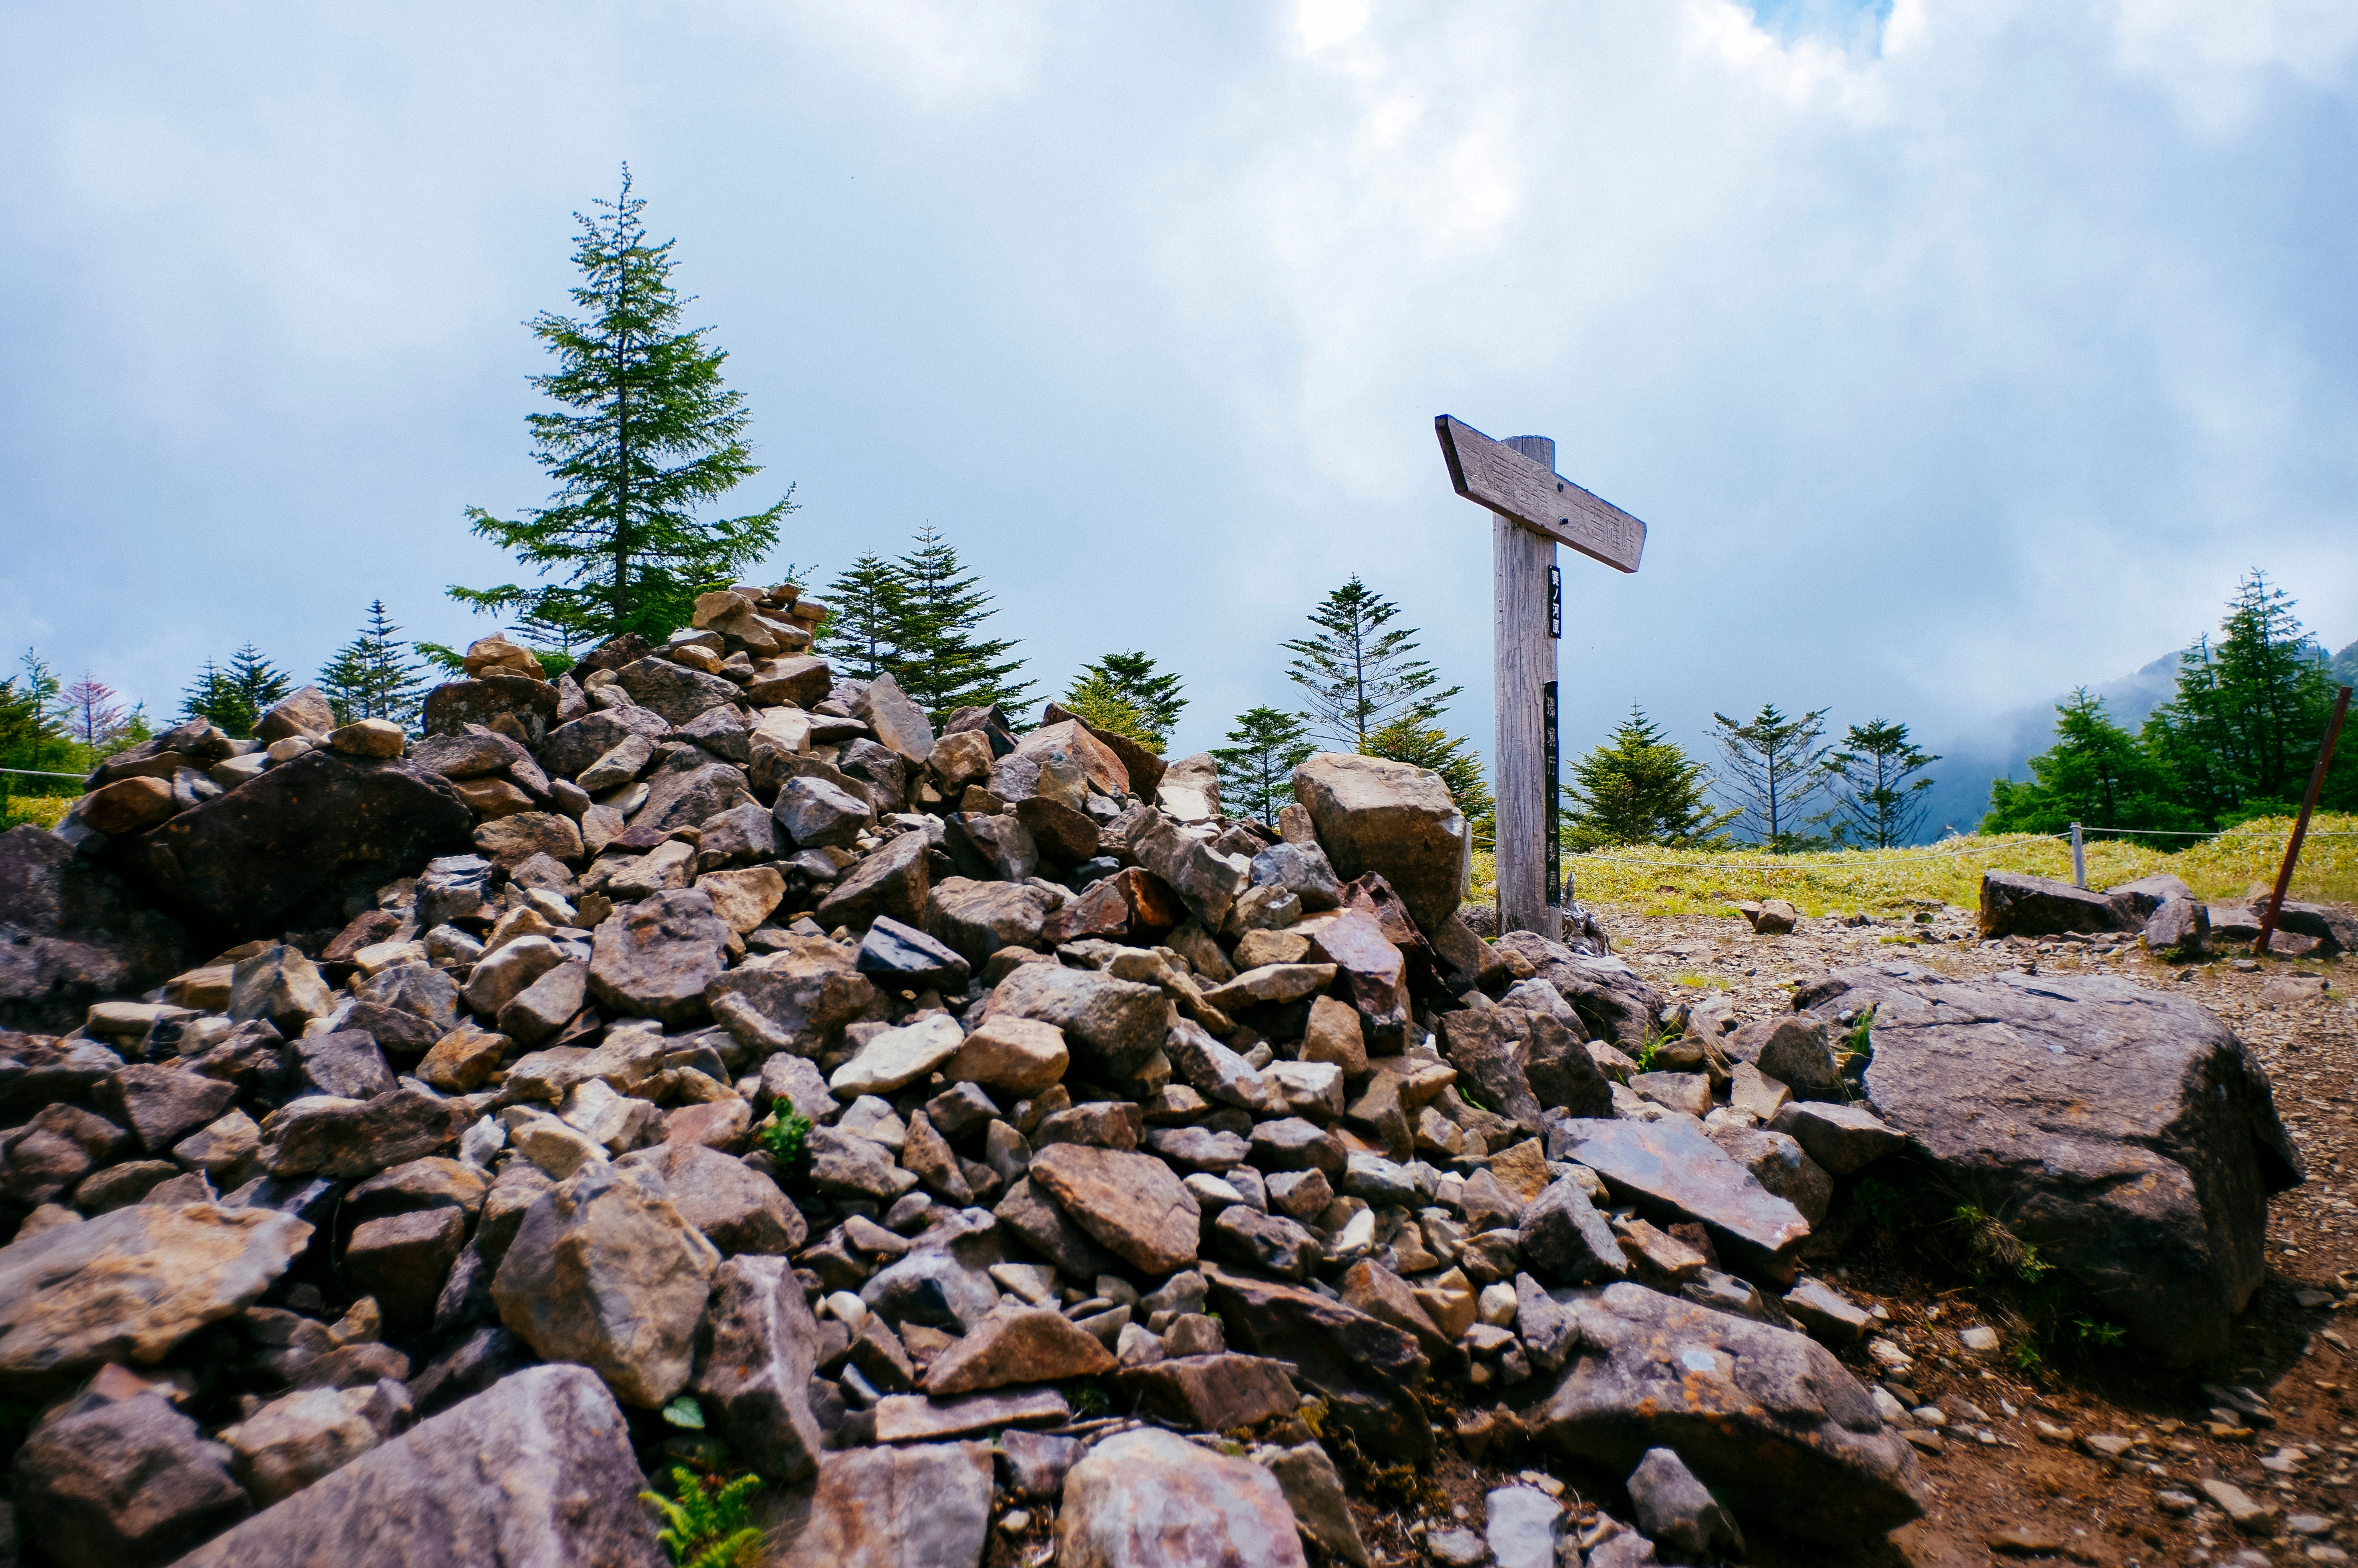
1534,510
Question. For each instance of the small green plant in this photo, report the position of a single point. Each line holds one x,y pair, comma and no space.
1860,1041
1996,1249
2027,1358
1088,1399
1467,1092
1878,1200
2096,1333
708,1530
683,1411
1647,1053
786,1137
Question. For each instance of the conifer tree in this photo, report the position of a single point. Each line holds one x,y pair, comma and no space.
1639,786
1878,800
2096,775
93,717
646,434
1256,768
1775,764
864,616
1124,693
941,661
373,677
33,723
1359,675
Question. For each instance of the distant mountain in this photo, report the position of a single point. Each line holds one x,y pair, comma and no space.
2003,747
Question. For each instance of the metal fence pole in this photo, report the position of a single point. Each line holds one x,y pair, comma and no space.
2078,859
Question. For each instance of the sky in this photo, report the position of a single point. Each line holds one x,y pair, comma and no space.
1955,354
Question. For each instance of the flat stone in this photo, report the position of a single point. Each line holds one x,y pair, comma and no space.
1362,1366
1777,1164
976,919
1766,1419
2039,906
2125,1132
328,1136
1672,1171
162,1104
793,1000
294,1441
654,958
914,1417
1827,1313
1212,1393
895,880
131,1284
1010,1056
1048,1229
1132,1204
898,1058
1035,1345
536,1469
898,954
1152,1499
921,1507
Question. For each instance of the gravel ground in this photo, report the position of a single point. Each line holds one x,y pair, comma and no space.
2078,1458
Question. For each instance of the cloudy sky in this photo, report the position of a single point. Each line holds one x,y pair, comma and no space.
1956,352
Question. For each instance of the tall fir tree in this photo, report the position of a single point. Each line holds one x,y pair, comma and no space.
1126,693
1639,786
943,664
863,617
1879,799
213,695
1774,770
374,675
35,729
647,433
1256,767
1360,672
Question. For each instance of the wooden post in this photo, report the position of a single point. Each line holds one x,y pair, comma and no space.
2300,827
1521,561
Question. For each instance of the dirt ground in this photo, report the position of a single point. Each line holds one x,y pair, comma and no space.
2022,1470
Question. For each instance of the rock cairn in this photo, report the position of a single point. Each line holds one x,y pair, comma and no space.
699,1056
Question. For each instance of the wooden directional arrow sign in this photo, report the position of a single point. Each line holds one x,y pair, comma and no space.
1534,495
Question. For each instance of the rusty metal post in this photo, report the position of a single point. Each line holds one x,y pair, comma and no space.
2301,826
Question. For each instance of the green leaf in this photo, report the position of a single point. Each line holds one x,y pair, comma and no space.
684,1412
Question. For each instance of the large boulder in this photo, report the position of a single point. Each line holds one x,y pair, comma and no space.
676,691
571,748
538,1469
1363,1365
895,880
1153,1500
2125,1132
1766,1418
2016,905
605,1272
795,999
131,1284
289,846
124,1484
654,958
73,934
1375,815
1606,994
1133,1205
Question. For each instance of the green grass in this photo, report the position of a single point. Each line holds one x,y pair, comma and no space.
41,810
1690,882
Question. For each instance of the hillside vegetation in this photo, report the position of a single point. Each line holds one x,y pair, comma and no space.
1691,882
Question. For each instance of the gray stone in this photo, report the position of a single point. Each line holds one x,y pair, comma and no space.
736,1210
1844,1138
815,814
977,919
926,1505
898,954
1524,1526
1679,1511
754,1373
1794,1050
1270,1243
1363,1366
329,1135
535,1470
654,958
892,880
2013,904
1766,1418
571,749
346,1063
2134,903
1779,1164
1112,1028
690,796
1152,1499
2125,1133
1048,1230
1392,818
295,1440
1485,1045
676,692
1611,1000
162,1104
1132,1204
1566,1241
607,1274
2180,928
123,1485
1673,1173
936,1286
1313,1489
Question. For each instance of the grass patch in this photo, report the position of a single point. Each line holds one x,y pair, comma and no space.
1694,882
40,810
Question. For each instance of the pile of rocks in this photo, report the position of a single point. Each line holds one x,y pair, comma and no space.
2163,911
699,1057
